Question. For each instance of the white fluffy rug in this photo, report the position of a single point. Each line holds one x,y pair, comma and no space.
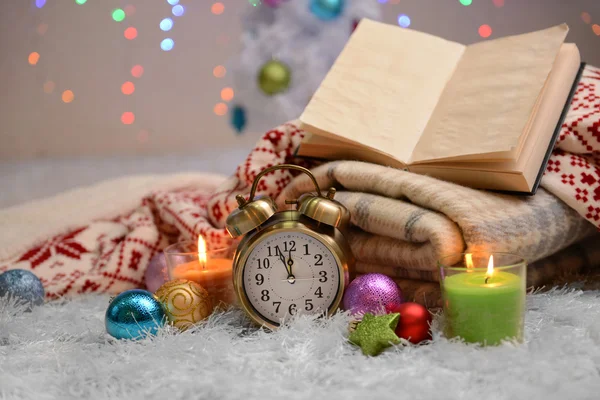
61,351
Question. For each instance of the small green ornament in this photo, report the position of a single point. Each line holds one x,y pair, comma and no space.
374,333
274,77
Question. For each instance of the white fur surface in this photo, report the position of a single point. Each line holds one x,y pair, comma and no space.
61,351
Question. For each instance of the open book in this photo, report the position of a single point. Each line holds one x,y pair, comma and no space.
484,115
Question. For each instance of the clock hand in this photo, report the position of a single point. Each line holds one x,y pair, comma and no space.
299,279
290,277
290,263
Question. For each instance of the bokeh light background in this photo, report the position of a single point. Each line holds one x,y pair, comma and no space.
109,77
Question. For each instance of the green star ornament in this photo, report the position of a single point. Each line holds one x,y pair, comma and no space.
374,333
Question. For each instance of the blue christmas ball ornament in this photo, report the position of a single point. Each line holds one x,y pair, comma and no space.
22,285
238,118
134,314
327,10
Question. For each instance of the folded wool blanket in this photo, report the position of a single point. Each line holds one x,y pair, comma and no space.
578,264
100,239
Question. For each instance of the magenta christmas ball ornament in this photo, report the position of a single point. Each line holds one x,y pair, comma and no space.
156,273
371,293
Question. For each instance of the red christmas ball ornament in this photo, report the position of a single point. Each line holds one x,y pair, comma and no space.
415,321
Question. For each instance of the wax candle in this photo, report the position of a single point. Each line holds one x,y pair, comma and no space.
214,276
210,269
484,305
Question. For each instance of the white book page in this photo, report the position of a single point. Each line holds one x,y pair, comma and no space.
383,88
489,101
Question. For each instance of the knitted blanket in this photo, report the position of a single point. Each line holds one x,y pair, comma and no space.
100,239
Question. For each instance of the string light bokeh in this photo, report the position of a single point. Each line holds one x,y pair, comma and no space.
404,20
137,71
219,71
127,118
33,58
220,109
217,8
118,15
129,10
130,33
222,95
166,24
485,31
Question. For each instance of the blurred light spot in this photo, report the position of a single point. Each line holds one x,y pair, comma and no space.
167,44
40,3
178,10
166,24
34,58
127,118
142,136
254,3
227,94
382,1
137,71
499,3
586,17
222,39
42,29
485,31
217,8
404,20
128,88
118,15
219,71
596,29
173,2
80,2
68,96
49,87
466,2
220,109
130,33
129,10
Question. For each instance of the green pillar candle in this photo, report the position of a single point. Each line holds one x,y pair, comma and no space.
481,312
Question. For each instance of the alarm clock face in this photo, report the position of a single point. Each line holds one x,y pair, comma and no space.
289,273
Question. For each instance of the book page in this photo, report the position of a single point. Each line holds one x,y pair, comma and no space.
554,100
383,88
488,103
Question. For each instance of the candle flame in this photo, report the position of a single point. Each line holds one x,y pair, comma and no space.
201,251
490,269
469,260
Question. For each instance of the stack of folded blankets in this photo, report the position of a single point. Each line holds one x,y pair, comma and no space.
100,239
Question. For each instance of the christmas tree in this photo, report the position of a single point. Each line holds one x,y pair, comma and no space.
288,47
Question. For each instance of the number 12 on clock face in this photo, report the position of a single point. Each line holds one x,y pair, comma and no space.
290,273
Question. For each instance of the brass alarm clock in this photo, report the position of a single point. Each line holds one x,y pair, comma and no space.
290,262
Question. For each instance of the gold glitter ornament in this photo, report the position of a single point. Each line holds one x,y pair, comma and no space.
274,77
185,302
374,333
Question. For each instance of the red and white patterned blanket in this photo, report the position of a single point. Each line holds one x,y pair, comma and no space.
100,239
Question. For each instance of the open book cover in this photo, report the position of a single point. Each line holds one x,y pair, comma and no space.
485,115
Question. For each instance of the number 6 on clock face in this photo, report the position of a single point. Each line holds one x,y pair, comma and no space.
289,273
